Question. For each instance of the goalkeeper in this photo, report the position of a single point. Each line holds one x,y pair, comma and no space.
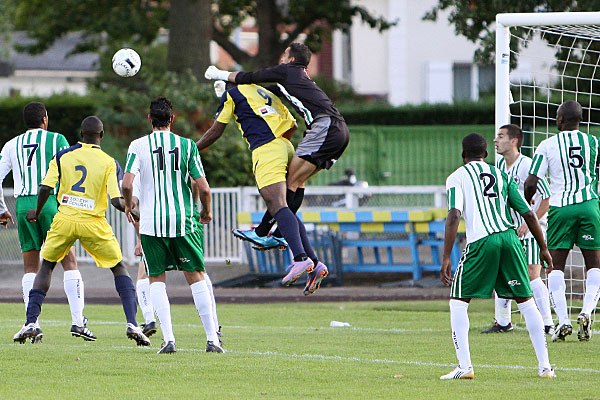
326,136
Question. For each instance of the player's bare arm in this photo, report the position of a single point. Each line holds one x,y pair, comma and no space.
204,193
452,221
211,135
541,211
536,230
530,187
5,217
43,194
127,189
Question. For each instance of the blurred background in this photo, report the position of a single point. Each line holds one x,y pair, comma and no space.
411,78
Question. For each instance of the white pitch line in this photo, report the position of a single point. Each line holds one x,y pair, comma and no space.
376,360
335,358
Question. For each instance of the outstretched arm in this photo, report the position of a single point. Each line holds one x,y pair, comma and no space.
452,221
211,135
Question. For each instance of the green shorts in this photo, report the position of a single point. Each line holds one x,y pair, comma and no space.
33,234
495,262
185,253
532,251
575,224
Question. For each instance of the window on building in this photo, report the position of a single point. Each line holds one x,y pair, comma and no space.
462,82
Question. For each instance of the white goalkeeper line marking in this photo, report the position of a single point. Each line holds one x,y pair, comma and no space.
367,360
323,357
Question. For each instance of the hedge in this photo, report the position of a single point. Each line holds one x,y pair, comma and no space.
65,113
425,114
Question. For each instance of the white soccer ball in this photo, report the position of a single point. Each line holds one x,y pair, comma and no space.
126,62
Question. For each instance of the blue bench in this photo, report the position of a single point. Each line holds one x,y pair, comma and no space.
422,228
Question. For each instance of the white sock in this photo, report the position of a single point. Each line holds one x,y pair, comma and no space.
459,320
160,301
212,298
542,300
27,284
557,288
203,305
143,297
535,326
592,290
502,310
73,284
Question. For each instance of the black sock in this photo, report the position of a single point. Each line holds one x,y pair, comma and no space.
310,252
294,201
288,224
298,199
265,225
34,307
124,286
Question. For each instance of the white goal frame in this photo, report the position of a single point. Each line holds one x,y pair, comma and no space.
503,23
503,85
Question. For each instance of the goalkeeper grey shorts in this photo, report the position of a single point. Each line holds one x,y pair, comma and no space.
324,142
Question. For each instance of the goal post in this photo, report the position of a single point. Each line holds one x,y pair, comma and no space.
563,65
503,24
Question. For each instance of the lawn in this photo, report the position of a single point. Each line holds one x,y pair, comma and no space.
392,350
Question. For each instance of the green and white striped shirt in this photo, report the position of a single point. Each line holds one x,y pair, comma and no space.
519,171
571,159
165,163
484,195
28,156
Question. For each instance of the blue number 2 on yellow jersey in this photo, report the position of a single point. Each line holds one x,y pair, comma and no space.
77,187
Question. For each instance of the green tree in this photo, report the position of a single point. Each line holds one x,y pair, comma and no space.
280,22
191,24
474,19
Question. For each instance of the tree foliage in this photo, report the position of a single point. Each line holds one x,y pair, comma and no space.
134,22
475,19
123,105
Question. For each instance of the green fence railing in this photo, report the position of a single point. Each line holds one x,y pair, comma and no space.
404,155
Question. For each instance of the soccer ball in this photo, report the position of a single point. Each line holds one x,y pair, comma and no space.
126,62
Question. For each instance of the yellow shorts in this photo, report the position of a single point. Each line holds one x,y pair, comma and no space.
95,235
270,161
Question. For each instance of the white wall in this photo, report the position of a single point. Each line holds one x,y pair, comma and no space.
369,52
412,62
45,83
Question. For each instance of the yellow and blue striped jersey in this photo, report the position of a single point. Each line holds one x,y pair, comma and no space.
85,175
260,115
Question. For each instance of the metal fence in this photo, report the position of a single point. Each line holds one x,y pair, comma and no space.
219,245
227,202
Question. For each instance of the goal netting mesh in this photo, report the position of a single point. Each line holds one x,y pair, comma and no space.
555,64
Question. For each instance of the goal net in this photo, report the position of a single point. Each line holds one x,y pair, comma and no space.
542,60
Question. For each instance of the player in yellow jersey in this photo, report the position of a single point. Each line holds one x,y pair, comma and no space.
266,125
86,177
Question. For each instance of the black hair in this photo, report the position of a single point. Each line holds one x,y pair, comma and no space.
474,146
571,111
301,53
91,126
161,111
514,132
33,114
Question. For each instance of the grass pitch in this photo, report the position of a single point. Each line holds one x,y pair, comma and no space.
392,350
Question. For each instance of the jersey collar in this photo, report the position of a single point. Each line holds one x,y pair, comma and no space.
89,145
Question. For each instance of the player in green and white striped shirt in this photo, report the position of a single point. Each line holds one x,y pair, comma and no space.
508,143
571,159
172,238
28,156
493,258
